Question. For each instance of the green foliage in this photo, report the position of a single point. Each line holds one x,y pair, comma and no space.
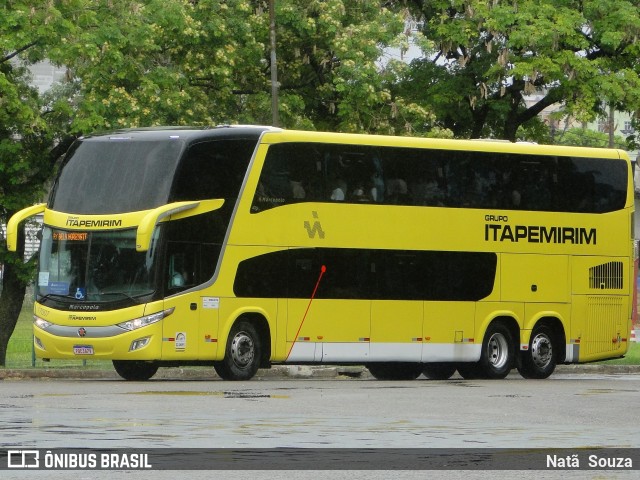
583,137
488,55
24,133
142,63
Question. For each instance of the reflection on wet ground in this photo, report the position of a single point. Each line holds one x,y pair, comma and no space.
319,413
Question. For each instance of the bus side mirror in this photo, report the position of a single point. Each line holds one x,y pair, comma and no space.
175,210
16,219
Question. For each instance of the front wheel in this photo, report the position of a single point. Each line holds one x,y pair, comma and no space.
498,352
439,371
243,353
469,371
395,370
539,361
136,370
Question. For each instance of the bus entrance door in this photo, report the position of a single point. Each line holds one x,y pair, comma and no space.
180,331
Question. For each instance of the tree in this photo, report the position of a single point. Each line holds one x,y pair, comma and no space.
136,63
208,62
330,64
24,143
486,56
584,137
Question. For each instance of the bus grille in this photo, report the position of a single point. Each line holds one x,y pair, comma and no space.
604,315
606,276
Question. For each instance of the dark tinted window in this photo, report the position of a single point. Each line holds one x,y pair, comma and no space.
411,275
425,177
102,176
212,170
193,245
368,274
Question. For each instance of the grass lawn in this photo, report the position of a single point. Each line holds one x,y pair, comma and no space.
20,350
631,358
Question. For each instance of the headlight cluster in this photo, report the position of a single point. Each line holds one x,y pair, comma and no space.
144,321
41,323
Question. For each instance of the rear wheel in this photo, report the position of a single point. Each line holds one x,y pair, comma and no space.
539,361
135,369
242,354
395,370
439,371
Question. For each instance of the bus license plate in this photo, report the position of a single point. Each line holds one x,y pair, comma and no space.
83,350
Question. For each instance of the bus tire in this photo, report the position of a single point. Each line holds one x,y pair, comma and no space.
469,371
243,353
539,361
395,370
439,371
498,352
136,370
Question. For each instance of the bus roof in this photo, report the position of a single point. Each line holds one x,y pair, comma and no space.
278,135
184,133
442,144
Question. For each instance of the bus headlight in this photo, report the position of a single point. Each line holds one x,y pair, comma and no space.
144,321
41,323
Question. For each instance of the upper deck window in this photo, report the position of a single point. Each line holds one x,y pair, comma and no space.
297,172
212,169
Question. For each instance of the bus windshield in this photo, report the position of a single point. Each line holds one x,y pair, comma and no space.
112,176
98,266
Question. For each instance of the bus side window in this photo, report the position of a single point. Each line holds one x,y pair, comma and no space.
306,179
335,169
179,275
338,189
353,174
363,173
426,189
193,248
396,167
460,181
273,190
212,170
263,276
397,191
291,173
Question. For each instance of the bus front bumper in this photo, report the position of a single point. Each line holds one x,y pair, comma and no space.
99,343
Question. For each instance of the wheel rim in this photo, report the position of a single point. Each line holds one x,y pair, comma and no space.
242,350
498,351
541,351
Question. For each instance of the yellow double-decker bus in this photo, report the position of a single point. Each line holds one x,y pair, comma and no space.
243,247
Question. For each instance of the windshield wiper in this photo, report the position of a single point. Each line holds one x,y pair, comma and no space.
53,296
123,294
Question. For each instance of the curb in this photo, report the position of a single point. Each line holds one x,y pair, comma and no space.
186,373
279,371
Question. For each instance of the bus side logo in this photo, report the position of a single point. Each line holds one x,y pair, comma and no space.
316,229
